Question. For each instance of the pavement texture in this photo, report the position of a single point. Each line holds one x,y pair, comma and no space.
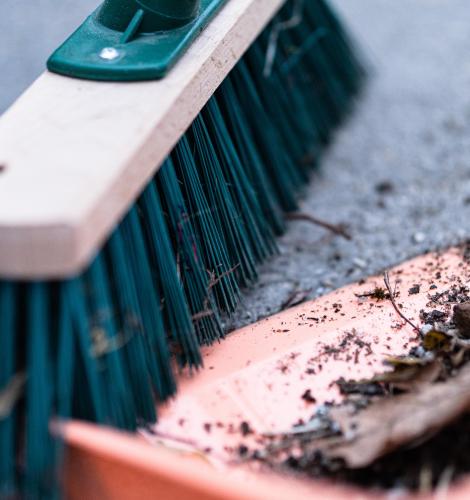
30,30
399,172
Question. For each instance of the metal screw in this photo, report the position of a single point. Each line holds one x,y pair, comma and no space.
109,53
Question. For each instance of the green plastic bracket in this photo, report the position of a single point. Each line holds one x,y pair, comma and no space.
133,40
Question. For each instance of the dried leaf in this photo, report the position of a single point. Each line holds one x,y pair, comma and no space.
408,374
405,361
437,341
411,377
391,423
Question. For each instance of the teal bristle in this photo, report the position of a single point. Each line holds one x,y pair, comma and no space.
103,345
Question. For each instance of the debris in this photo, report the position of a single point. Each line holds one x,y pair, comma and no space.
391,430
392,422
245,429
295,298
414,290
319,427
308,398
385,187
410,373
392,300
201,315
214,280
243,450
378,293
338,229
10,394
434,340
102,344
433,316
365,387
461,319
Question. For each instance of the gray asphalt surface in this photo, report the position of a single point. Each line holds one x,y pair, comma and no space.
410,133
30,30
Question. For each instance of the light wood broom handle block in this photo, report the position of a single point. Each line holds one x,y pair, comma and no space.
75,154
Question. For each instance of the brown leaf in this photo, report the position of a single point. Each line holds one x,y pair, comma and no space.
409,374
390,423
412,377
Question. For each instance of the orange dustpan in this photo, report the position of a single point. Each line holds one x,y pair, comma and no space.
264,378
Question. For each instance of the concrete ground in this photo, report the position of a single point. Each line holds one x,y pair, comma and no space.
29,32
409,137
398,174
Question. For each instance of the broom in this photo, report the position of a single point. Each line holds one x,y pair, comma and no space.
98,308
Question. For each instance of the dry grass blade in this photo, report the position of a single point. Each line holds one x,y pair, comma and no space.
11,394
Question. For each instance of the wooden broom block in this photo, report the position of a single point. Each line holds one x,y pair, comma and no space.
75,154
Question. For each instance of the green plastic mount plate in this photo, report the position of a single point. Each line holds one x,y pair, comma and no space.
96,52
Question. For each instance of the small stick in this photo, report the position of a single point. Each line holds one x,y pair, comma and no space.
337,229
295,298
294,21
394,304
202,315
214,281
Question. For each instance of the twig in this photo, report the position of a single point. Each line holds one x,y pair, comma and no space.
394,304
295,298
378,293
214,281
337,229
201,315
278,28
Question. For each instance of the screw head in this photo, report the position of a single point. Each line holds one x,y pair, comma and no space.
109,53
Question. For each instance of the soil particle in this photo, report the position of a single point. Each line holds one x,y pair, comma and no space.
245,429
308,398
414,290
243,450
385,187
431,317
